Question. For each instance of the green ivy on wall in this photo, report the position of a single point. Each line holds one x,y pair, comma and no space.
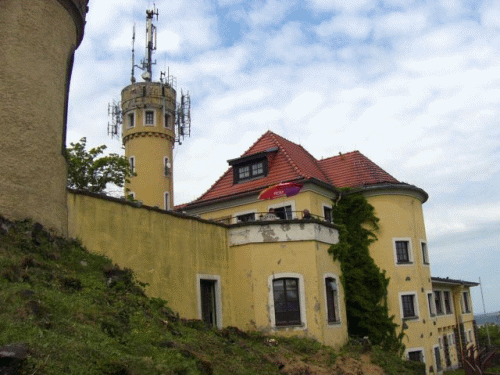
365,285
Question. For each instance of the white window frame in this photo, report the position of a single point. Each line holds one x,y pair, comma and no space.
415,306
470,338
337,302
130,115
452,307
234,218
284,204
420,349
165,122
463,302
432,307
323,206
131,161
435,359
144,116
165,161
451,339
441,300
302,300
166,200
410,251
218,294
428,263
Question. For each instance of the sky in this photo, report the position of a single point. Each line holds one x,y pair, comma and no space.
413,85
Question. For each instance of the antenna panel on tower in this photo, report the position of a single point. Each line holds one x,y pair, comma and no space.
183,118
115,114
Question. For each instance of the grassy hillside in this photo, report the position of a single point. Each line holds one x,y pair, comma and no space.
66,311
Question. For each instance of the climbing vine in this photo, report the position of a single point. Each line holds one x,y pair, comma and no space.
365,285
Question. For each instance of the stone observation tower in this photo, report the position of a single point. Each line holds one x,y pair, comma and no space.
152,121
39,38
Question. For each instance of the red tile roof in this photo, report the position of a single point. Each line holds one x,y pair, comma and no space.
292,162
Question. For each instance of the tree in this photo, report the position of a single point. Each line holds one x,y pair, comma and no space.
87,170
365,285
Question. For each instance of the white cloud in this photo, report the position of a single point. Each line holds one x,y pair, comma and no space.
302,105
350,6
354,27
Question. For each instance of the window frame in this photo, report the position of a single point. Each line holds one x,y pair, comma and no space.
166,120
416,310
302,300
252,175
166,200
425,253
336,300
167,171
431,304
145,118
130,120
327,207
440,310
409,249
412,350
283,205
466,306
439,367
131,161
448,310
234,218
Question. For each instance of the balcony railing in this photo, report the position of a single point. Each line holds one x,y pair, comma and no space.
270,216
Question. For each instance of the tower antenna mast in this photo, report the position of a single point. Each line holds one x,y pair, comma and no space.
147,63
132,78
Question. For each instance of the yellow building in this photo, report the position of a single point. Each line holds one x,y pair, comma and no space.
401,249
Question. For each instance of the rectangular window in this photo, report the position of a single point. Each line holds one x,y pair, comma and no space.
447,302
416,355
331,300
167,167
438,303
327,213
402,252
149,118
167,200
244,172
167,120
437,355
245,217
408,303
257,169
466,302
430,301
286,301
425,254
250,170
283,213
451,339
131,161
131,120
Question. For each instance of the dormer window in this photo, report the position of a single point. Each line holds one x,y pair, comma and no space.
250,170
251,167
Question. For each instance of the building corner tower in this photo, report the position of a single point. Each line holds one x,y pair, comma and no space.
152,122
39,38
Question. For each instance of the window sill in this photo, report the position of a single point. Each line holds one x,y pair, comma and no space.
289,326
404,263
407,318
334,324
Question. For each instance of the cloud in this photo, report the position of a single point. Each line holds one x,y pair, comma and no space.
350,6
354,27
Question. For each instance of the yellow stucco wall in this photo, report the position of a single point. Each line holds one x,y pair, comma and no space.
401,217
166,251
257,264
36,50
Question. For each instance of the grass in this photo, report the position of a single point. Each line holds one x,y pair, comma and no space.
76,313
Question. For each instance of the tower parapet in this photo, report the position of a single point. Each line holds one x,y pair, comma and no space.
39,38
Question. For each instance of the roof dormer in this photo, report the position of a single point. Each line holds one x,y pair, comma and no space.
251,167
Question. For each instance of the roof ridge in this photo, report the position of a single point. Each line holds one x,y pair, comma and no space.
340,155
